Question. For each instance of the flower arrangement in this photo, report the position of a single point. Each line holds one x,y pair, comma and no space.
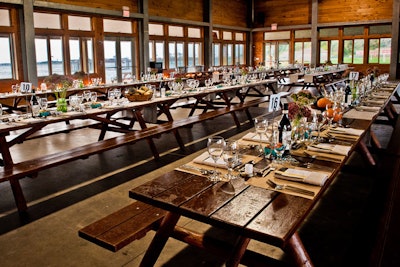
299,108
55,81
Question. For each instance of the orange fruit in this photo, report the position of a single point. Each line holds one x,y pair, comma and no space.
337,117
329,112
323,102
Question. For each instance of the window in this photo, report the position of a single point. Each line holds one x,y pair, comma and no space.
302,52
176,55
156,29
156,51
119,58
269,55
379,50
230,49
353,51
118,26
329,51
49,56
79,23
175,31
6,62
5,17
47,21
194,54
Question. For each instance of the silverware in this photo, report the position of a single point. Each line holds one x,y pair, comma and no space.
290,188
271,169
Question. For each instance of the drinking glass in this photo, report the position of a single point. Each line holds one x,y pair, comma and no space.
230,156
215,146
86,95
117,93
43,103
261,127
111,96
1,109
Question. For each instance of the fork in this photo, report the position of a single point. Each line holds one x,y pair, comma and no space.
290,188
201,170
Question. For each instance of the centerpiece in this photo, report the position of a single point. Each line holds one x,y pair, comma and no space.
299,108
60,85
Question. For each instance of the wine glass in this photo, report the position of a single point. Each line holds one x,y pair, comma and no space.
111,96
278,147
261,127
86,95
93,97
215,146
43,103
117,94
230,156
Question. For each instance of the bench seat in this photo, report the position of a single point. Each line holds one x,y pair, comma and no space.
120,228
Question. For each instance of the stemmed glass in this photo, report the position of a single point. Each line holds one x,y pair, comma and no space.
93,97
215,146
43,103
111,96
86,95
261,127
230,156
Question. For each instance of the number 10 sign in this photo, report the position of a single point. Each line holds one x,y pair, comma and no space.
274,102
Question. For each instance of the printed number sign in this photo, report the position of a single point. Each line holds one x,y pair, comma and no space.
26,87
353,76
274,102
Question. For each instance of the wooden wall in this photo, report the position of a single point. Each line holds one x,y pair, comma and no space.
230,13
177,9
103,4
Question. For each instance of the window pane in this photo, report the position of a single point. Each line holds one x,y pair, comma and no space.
302,34
227,35
216,52
358,57
90,56
111,25
307,53
385,50
239,36
348,51
57,59
156,29
5,17
351,31
269,49
126,57
283,54
190,54
79,23
277,35
298,52
198,60
227,54
151,51
46,21
373,53
160,52
239,54
323,52
110,55
5,58
172,55
380,29
334,52
42,57
180,54
75,55
329,32
176,31
194,33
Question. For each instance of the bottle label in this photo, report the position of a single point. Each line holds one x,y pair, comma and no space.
286,138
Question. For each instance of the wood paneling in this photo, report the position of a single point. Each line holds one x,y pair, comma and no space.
230,13
103,4
284,13
331,11
258,47
178,9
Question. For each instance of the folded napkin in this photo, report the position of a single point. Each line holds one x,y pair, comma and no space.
251,136
374,102
349,131
359,115
303,176
330,149
318,155
205,159
380,96
368,108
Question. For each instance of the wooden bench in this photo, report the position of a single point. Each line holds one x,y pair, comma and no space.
31,167
120,228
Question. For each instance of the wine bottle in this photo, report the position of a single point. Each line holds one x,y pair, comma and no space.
35,107
285,128
347,95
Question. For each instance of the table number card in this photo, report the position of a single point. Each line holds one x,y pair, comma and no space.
26,87
353,76
274,102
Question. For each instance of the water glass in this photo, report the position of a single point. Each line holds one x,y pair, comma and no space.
215,146
231,157
43,103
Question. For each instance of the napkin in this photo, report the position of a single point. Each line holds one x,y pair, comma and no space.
318,155
330,149
205,159
378,102
256,138
303,176
368,108
349,131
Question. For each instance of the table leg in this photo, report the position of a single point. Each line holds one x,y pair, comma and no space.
160,239
238,251
298,252
5,151
364,151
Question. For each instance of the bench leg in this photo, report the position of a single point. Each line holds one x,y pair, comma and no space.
298,252
365,152
153,148
238,251
160,239
18,195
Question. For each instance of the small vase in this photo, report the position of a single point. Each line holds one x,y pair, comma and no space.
62,105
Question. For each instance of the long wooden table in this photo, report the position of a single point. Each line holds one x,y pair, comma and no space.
251,212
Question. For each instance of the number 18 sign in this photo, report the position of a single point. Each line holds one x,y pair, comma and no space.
274,101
